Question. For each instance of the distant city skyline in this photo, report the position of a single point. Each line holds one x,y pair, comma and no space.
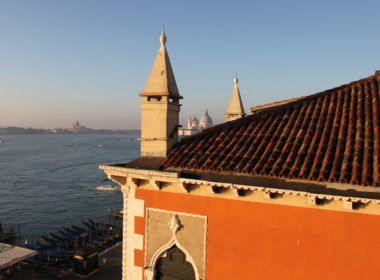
88,60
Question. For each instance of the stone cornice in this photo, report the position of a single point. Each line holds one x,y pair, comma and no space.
136,171
172,182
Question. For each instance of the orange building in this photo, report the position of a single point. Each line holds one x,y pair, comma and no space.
290,191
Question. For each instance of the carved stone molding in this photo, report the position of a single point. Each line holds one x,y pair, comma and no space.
131,182
165,229
156,184
175,224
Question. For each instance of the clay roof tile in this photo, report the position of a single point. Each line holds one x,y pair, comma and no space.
329,136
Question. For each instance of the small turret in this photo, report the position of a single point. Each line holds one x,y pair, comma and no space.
235,109
160,106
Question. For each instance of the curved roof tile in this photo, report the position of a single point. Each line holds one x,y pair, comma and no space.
332,136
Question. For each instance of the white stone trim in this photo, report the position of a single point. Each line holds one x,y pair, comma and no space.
131,241
131,182
135,273
268,191
125,191
136,241
131,172
348,204
273,195
149,268
176,213
156,184
127,170
312,199
136,207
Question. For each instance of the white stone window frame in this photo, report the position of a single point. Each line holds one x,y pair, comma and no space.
162,251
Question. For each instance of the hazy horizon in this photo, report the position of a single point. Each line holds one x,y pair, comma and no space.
70,126
88,60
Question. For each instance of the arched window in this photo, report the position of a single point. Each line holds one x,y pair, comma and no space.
174,266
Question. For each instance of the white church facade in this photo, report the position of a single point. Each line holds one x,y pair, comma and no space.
194,126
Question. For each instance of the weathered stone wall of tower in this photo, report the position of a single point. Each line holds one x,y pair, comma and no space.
159,126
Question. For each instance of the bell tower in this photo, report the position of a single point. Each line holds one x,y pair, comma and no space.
160,106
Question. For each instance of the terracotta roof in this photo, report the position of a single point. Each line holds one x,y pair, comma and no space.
153,163
332,136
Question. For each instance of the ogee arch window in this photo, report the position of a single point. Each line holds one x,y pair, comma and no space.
174,266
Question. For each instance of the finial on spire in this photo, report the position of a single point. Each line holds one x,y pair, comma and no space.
236,80
163,36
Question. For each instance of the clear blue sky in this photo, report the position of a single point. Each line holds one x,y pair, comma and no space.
62,60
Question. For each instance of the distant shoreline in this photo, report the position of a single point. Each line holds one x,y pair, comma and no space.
36,131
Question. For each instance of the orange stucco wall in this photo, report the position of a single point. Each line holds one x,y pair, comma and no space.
249,240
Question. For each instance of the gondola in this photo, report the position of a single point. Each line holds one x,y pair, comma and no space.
7,235
69,236
71,231
56,249
43,246
79,229
57,237
88,225
50,240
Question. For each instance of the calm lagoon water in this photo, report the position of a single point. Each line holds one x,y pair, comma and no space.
44,184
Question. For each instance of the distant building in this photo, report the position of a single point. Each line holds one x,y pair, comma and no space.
194,126
205,121
77,127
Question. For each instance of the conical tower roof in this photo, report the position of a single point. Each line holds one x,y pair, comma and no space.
235,106
161,81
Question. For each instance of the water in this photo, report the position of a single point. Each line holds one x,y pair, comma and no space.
44,184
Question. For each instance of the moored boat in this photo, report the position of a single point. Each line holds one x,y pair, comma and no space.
7,235
108,188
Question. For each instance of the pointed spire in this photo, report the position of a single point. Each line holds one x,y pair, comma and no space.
235,109
163,37
236,81
161,81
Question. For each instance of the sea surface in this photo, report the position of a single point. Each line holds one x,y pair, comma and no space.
45,184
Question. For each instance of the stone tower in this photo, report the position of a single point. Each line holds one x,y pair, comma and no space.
160,107
235,109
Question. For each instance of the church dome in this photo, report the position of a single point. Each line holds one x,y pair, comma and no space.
205,121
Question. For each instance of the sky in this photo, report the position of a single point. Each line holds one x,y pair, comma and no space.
87,60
